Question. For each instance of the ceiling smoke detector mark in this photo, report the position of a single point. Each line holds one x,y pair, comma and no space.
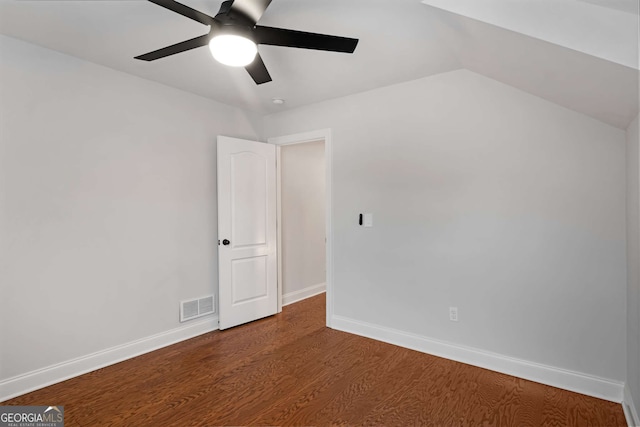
278,101
192,309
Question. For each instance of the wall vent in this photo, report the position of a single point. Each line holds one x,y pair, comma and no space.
194,308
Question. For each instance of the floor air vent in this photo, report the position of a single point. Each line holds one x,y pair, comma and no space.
195,308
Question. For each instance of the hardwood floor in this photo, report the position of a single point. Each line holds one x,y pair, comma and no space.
291,370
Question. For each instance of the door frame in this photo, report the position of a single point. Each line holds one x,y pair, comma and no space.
301,138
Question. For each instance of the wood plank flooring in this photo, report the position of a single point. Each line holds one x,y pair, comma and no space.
291,370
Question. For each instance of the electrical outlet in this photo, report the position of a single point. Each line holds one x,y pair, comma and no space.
453,314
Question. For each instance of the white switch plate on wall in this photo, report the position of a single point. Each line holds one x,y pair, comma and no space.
368,220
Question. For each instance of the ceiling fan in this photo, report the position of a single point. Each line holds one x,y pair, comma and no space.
234,36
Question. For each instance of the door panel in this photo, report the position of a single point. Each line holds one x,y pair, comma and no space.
248,279
247,223
249,202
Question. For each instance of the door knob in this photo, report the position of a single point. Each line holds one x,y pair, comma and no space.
225,242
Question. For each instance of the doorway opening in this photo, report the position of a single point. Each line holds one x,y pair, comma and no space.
304,217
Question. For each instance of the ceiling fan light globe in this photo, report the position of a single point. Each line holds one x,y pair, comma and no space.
232,50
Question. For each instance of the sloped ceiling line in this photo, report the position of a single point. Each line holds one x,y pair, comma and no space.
511,45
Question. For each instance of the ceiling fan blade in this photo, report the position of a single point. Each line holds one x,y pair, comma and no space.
250,9
258,71
183,10
291,38
175,48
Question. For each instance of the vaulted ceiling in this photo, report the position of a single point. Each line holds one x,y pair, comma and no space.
534,46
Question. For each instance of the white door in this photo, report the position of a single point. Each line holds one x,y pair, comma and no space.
247,267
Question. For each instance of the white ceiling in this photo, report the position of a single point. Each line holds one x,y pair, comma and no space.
400,40
540,46
606,33
629,6
111,33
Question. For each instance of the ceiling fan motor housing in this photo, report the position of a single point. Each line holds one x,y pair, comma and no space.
232,17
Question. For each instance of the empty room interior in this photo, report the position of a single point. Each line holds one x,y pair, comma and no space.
320,212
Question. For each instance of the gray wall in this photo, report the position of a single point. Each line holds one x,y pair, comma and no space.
633,263
303,216
107,204
486,198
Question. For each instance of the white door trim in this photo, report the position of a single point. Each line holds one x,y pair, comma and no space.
300,138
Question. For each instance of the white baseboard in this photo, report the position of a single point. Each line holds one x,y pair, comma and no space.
311,291
556,377
630,410
53,374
